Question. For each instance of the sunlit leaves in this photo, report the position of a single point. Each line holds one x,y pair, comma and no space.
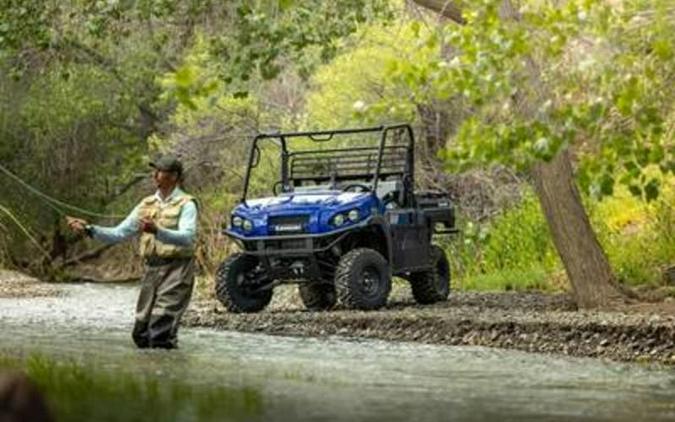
195,79
269,33
365,85
23,23
584,74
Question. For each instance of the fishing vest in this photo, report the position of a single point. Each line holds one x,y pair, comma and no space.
165,216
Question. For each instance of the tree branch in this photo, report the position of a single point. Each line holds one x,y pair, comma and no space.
445,8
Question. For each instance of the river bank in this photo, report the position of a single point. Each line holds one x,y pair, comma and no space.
17,285
531,322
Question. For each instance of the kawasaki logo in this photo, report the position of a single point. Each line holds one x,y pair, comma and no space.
288,227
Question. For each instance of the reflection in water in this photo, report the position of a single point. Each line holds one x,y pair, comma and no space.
87,393
248,377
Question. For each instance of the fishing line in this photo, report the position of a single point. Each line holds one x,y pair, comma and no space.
53,202
24,230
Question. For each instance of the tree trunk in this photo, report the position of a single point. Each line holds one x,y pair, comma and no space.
585,262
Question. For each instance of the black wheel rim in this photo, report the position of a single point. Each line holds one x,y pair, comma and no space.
370,280
244,281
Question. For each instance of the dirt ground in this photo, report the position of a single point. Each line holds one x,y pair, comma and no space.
532,322
15,285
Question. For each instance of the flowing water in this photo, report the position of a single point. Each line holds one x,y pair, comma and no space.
330,378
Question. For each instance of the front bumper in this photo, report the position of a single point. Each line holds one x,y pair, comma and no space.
293,245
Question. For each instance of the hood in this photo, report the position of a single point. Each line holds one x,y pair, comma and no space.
324,200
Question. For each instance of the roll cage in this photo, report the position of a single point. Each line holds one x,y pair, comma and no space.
374,163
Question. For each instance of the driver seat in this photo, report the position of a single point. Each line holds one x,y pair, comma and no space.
392,189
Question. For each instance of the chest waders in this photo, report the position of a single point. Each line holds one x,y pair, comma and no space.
168,279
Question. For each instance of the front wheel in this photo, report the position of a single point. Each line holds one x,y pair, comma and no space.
362,279
237,282
433,285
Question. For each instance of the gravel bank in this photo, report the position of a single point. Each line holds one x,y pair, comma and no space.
525,321
15,285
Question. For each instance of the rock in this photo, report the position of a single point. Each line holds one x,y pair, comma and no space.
669,275
498,320
20,399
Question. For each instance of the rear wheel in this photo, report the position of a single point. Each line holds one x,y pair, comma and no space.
238,280
432,285
362,279
317,296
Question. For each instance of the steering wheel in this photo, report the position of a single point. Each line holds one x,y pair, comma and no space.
362,187
390,200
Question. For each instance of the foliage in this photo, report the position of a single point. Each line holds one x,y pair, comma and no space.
95,88
64,136
535,278
345,91
77,392
515,247
271,33
586,74
514,250
638,236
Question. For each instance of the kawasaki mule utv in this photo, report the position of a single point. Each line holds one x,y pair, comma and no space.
342,221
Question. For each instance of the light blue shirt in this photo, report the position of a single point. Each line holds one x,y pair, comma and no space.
185,235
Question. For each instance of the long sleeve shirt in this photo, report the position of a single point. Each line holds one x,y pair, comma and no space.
184,235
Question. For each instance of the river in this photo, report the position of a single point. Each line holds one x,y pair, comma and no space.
334,378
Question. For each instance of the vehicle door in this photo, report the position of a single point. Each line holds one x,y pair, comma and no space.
409,238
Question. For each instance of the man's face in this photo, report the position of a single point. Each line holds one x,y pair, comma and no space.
165,179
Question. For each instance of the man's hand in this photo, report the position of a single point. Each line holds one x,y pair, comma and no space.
148,225
77,225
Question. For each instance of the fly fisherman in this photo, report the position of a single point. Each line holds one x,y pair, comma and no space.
167,225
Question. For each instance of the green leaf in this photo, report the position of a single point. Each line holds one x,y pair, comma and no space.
607,185
652,190
663,49
668,167
415,28
285,4
656,154
184,76
635,190
625,103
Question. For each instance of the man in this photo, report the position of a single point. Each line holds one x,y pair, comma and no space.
167,225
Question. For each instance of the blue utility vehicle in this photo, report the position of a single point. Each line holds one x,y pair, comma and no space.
344,219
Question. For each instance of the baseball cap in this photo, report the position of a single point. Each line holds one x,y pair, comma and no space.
168,162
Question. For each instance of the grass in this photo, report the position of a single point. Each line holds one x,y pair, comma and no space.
507,280
86,393
638,237
514,250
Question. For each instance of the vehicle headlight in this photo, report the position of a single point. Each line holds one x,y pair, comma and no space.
237,221
338,220
247,225
353,215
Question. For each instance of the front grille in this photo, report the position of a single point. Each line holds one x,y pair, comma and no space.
286,244
288,224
